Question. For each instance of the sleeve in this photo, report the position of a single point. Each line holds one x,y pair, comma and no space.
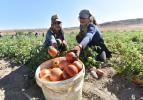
62,37
89,35
50,39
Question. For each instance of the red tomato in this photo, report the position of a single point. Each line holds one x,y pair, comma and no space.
52,51
44,74
71,57
71,70
65,75
78,64
63,64
55,62
56,74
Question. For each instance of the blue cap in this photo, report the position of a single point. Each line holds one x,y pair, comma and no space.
84,14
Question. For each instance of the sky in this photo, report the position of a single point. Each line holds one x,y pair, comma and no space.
27,14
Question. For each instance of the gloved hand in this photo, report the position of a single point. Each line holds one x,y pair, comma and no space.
78,48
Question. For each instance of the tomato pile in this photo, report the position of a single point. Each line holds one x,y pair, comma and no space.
60,70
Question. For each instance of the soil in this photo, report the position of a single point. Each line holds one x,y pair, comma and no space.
16,83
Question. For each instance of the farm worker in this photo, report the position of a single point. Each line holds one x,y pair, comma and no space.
90,35
36,34
55,35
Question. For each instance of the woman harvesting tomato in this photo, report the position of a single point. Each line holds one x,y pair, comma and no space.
55,35
90,35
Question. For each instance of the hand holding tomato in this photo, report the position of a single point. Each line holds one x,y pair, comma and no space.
78,48
71,56
52,51
64,43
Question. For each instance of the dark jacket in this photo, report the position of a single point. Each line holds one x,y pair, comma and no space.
92,36
51,37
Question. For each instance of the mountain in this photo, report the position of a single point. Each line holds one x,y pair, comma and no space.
137,21
122,25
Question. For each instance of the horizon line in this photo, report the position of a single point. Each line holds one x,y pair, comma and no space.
63,27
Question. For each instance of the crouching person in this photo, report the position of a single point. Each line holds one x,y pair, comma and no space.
90,35
55,35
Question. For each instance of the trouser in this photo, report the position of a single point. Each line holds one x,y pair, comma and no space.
104,48
103,52
101,55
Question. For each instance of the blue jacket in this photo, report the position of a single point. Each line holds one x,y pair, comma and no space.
92,36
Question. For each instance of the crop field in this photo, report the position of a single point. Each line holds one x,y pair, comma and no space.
127,48
27,52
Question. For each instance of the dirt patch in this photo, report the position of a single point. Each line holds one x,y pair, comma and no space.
15,84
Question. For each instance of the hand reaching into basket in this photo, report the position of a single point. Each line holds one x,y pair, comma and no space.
73,54
78,48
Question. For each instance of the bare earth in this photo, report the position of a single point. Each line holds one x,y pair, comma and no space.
15,85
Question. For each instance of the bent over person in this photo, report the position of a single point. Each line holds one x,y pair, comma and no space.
90,35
